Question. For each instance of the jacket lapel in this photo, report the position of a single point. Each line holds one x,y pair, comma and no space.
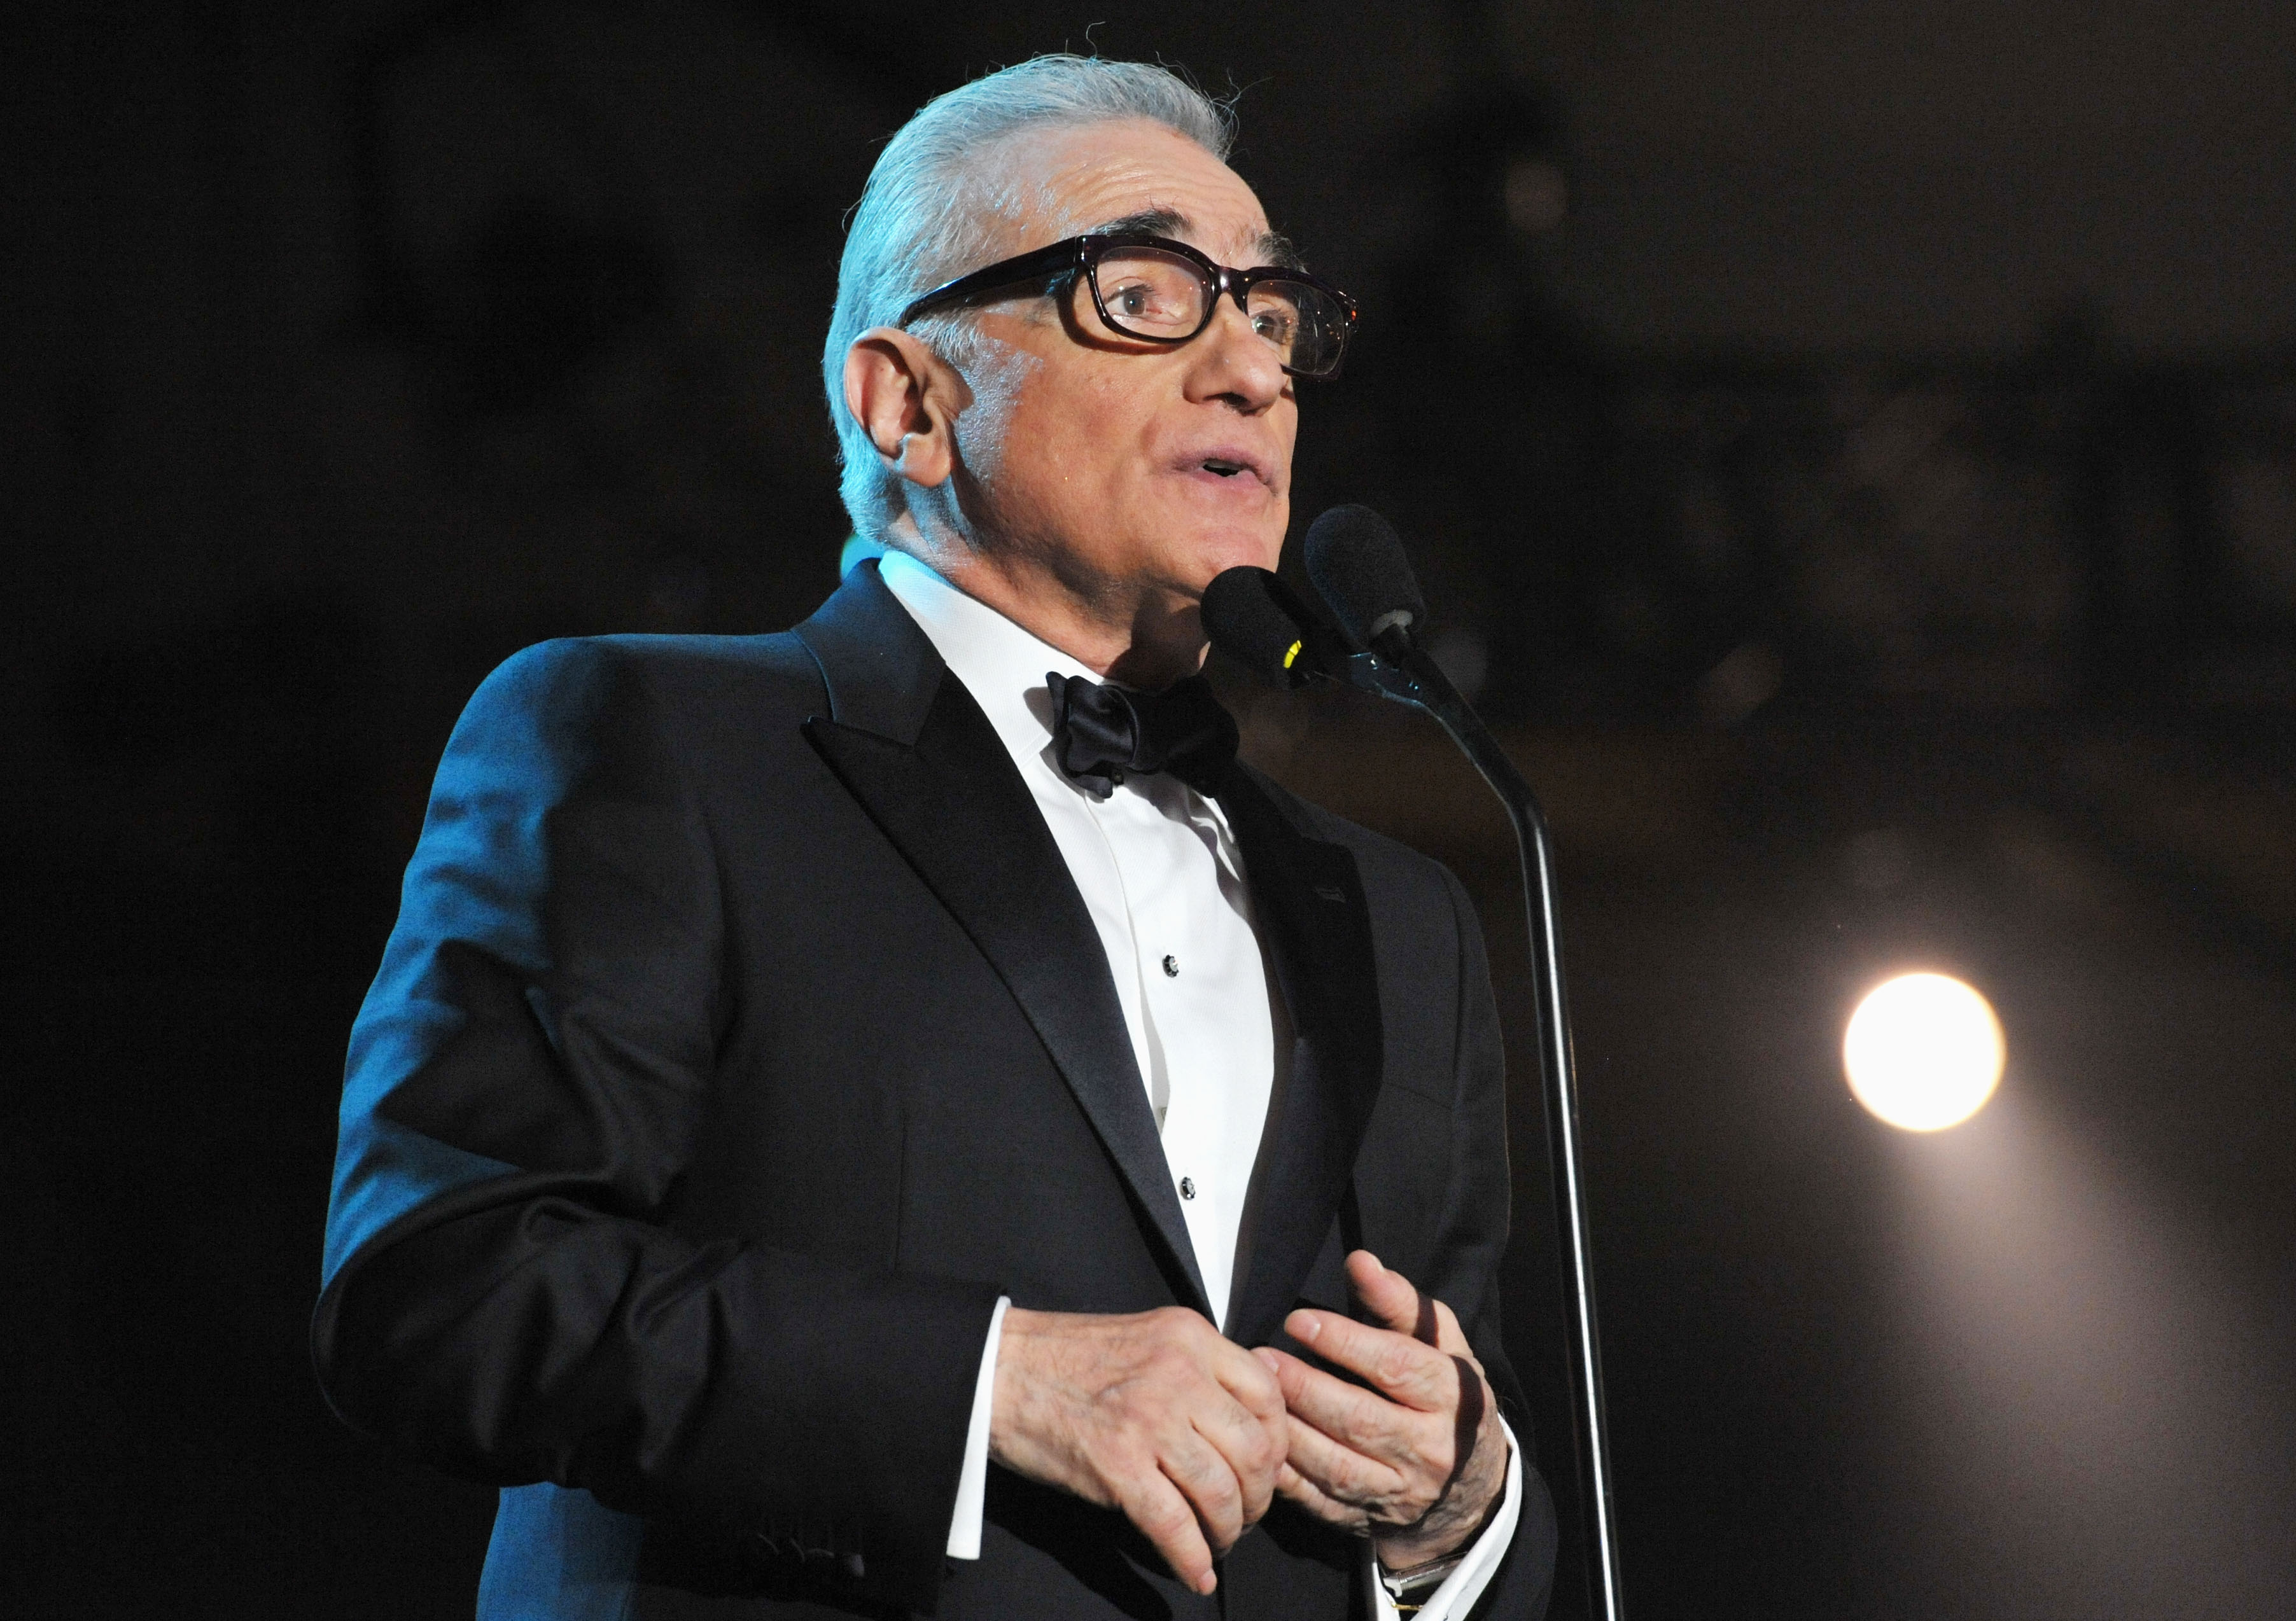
1316,924
908,742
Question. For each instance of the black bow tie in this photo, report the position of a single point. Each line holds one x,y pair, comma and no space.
1103,732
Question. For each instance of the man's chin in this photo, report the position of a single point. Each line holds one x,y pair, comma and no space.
1211,549
1238,516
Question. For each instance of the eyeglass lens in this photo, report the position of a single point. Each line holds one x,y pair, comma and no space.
1151,293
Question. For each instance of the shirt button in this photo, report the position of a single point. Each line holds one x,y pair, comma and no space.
1171,967
1187,1187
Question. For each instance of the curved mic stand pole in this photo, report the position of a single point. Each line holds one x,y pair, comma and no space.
1398,670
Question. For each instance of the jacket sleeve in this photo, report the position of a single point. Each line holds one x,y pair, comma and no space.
1472,1238
503,1294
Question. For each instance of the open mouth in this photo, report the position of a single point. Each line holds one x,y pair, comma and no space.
1231,468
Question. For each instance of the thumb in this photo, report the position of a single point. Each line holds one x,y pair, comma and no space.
1388,1296
1450,1337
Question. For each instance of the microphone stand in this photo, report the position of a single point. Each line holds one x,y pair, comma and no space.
1398,670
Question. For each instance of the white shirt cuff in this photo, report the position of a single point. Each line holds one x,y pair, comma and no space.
973,1479
1464,1585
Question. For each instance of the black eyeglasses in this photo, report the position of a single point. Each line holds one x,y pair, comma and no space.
1162,292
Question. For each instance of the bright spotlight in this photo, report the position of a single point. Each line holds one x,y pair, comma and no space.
1924,1052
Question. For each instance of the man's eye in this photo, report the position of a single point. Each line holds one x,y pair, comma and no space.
1149,300
1275,328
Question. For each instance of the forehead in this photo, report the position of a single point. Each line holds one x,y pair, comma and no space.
1060,183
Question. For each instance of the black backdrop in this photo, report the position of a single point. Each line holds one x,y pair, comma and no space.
1854,459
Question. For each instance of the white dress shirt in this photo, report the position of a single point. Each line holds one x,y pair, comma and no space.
1162,879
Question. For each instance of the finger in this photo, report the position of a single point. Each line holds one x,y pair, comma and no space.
1251,1379
1365,1421
1310,1389
1349,1414
1297,1488
1249,1453
1388,1296
1340,1473
1249,1429
1157,1507
1314,1397
1207,1482
1398,1366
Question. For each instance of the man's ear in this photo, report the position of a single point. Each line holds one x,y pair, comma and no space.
907,398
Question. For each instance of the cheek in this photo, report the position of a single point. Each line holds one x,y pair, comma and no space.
1043,468
1078,432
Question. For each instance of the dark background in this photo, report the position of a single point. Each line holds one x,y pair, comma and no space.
1852,450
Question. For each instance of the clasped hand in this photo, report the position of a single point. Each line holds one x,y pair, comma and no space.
1192,1436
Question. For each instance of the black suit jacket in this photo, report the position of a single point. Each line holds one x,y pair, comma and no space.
743,1037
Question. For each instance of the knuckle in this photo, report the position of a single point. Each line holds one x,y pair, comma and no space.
1365,1484
1435,1444
1441,1456
1396,1363
1175,1528
1162,1517
1184,1465
1181,1323
1254,1381
1223,1499
1121,1474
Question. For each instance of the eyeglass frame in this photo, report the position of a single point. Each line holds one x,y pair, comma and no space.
1080,256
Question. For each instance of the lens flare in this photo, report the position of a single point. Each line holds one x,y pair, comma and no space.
1924,1052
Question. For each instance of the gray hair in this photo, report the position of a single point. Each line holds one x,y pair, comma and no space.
929,214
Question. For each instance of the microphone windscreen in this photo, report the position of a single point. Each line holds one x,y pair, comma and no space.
1254,618
1357,560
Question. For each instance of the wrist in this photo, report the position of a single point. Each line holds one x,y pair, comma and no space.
1009,1396
1447,1539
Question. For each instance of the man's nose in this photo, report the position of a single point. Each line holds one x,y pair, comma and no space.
1236,363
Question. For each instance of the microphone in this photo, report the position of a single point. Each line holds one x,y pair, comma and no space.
1356,561
1255,618
1357,564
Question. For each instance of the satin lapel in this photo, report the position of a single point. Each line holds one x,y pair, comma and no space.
908,742
1310,905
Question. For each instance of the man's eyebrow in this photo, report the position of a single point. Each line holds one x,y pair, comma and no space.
1272,248
1149,222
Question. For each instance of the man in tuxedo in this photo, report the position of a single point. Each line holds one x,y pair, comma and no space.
892,1118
